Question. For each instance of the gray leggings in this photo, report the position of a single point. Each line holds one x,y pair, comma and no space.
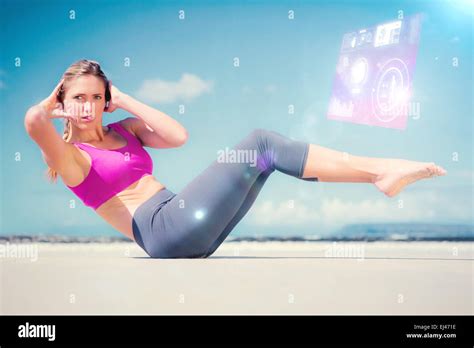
194,222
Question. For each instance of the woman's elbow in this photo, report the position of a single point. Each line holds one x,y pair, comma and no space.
183,138
32,117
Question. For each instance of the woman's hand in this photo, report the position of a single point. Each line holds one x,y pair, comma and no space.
52,107
115,98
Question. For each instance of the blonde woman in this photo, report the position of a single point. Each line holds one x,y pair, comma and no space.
108,168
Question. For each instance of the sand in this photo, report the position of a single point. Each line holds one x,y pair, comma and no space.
240,278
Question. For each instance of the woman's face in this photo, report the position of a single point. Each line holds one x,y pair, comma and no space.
84,98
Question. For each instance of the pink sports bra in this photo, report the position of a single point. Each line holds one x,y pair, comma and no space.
112,170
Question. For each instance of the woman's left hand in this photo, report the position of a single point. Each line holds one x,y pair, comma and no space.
115,96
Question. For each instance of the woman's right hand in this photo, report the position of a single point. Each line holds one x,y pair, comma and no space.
52,107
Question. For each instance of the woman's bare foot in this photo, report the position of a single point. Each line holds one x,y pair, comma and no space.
400,173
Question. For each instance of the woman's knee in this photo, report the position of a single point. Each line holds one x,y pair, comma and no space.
258,140
259,134
262,141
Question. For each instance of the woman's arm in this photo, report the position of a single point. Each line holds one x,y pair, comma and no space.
38,124
154,128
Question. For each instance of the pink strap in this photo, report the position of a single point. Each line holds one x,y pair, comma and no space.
120,129
125,133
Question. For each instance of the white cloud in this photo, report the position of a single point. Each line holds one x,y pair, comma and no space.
424,205
283,213
379,210
187,88
331,212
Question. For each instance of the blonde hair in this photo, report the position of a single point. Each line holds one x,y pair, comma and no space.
79,68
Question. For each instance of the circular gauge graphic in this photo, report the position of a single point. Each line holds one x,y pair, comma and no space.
391,93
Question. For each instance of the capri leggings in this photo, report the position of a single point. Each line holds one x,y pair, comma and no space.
194,222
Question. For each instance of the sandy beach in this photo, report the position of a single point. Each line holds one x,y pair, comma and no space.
240,278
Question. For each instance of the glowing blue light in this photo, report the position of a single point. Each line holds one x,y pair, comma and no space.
199,214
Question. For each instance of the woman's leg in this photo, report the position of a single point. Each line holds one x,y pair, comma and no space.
390,175
197,220
244,208
328,165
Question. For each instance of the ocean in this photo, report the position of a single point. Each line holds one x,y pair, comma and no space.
353,232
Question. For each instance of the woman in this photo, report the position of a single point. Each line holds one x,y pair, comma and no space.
108,168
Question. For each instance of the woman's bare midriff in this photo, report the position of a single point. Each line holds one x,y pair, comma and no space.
118,210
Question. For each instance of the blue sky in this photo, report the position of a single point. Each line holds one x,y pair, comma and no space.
282,62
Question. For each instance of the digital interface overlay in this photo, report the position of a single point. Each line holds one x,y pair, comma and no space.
373,81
